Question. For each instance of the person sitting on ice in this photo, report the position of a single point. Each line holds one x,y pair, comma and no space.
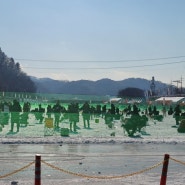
181,128
155,111
170,111
135,111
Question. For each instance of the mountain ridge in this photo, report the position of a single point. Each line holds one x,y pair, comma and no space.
103,86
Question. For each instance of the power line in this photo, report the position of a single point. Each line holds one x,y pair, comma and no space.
120,67
129,60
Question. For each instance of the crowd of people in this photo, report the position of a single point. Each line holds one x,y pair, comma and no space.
18,114
14,113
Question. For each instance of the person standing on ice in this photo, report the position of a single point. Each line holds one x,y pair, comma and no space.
177,112
86,114
15,110
57,109
73,113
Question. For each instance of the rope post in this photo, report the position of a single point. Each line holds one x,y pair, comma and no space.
164,169
37,169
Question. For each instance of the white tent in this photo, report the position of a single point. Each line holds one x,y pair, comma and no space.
115,100
166,100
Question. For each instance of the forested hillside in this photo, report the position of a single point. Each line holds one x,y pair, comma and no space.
12,78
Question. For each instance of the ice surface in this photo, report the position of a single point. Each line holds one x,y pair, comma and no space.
154,132
97,147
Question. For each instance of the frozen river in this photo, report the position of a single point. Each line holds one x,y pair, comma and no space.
93,153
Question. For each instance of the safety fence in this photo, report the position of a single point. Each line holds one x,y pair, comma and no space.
51,98
38,162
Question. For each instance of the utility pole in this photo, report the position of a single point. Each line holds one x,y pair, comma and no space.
181,84
179,81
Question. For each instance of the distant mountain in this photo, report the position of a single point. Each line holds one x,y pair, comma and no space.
87,87
13,79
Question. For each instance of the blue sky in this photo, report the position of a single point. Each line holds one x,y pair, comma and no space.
95,39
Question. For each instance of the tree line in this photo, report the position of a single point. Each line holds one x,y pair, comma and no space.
131,92
12,78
